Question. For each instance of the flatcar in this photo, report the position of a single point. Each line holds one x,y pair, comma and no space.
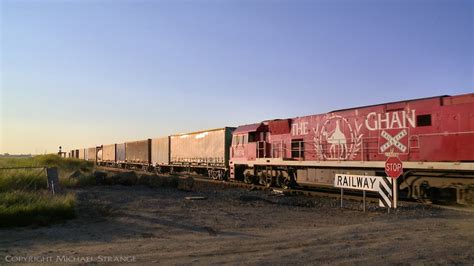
434,137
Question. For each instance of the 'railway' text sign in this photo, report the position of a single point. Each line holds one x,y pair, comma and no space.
358,182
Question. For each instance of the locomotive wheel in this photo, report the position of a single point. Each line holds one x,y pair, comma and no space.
286,183
262,179
281,181
247,179
269,181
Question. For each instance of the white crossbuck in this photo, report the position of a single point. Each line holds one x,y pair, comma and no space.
393,141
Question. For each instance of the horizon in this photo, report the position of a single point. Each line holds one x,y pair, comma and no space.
81,74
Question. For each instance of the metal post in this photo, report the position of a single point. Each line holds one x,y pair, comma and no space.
299,149
342,194
281,149
395,193
364,200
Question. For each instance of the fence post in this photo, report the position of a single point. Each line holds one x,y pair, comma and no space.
53,179
342,194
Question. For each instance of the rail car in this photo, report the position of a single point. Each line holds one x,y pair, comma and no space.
434,137
205,152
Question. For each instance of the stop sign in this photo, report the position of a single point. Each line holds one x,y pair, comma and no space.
393,167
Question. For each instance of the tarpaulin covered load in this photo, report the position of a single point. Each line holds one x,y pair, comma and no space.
203,148
120,155
160,151
82,154
91,154
138,151
108,153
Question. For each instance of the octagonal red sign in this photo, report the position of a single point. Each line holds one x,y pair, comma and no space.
393,167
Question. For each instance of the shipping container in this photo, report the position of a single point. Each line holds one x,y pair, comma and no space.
208,148
108,153
138,152
91,154
160,151
120,153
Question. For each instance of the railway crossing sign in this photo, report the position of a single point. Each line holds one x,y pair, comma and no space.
393,141
357,182
393,167
380,184
385,186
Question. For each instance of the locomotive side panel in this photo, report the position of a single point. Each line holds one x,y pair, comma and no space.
420,130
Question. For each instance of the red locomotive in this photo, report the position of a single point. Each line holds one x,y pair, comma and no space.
434,137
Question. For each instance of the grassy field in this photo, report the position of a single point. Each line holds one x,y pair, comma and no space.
20,208
24,198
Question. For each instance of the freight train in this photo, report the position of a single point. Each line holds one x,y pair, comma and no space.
434,137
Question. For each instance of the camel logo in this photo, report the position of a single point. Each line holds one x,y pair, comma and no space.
337,139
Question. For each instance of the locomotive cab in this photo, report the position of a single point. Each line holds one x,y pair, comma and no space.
249,142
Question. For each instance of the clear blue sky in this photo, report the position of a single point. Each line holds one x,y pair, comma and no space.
81,73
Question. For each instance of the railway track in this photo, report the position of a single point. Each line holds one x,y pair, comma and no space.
348,195
310,192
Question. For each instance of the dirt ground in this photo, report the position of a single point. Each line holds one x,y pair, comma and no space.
235,226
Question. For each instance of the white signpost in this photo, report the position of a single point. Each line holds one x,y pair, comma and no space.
366,183
357,182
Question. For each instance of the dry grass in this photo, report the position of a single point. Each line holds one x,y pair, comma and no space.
24,199
20,208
